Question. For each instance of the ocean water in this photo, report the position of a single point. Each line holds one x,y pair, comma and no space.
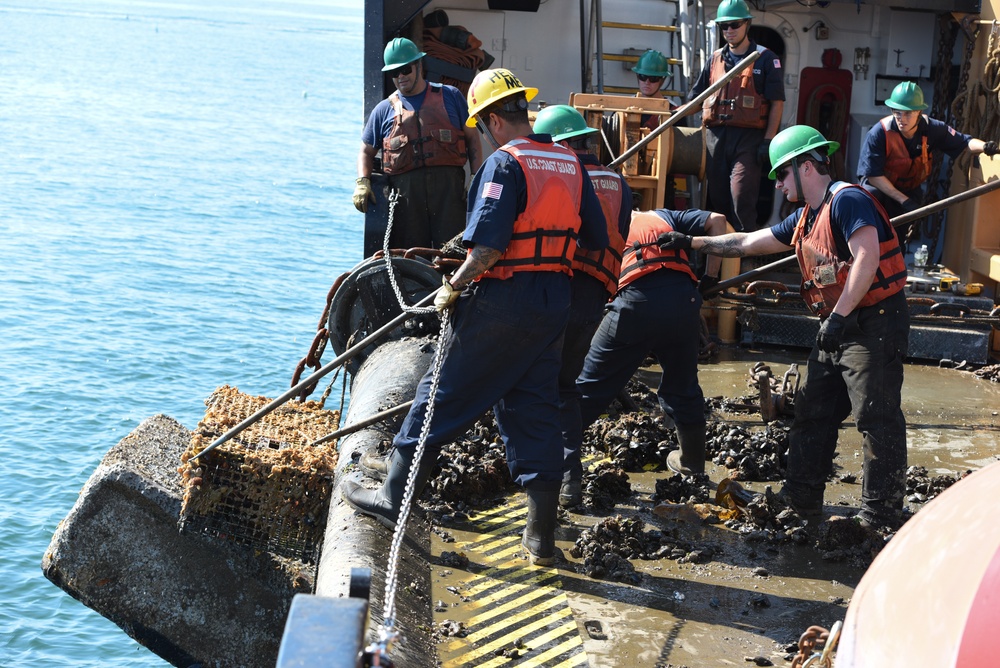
174,206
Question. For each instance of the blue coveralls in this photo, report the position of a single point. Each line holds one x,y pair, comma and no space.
506,339
732,151
658,312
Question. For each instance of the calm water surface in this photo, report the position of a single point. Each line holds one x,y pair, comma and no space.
175,203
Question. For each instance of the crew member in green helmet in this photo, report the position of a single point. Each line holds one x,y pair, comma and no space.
896,157
741,118
421,132
594,282
651,71
853,278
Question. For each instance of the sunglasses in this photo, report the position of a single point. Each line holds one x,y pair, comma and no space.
732,25
643,77
401,71
782,174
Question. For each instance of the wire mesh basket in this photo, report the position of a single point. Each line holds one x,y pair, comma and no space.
267,488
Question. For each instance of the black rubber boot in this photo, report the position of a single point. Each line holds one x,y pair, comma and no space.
385,502
808,504
373,465
690,459
539,539
571,493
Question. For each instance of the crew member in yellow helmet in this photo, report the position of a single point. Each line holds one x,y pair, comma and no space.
508,305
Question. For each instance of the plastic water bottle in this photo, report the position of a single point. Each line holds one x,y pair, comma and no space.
920,261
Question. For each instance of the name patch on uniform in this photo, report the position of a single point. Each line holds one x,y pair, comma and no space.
492,190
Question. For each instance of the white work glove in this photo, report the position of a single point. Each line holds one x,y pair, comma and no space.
446,296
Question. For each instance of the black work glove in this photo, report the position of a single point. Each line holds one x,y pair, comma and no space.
763,155
991,148
909,204
831,333
674,241
706,283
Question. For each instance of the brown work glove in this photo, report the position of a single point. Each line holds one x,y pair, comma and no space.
446,296
363,194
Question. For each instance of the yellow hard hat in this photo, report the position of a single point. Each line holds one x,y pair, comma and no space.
491,86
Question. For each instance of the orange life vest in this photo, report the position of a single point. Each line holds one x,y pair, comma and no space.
904,172
640,259
824,274
422,139
604,264
545,233
738,103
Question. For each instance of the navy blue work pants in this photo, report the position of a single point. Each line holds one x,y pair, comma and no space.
733,174
585,313
659,312
503,352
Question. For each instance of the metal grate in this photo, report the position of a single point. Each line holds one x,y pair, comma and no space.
266,489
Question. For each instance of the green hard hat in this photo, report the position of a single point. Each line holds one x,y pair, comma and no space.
400,51
562,122
795,141
906,96
732,10
652,64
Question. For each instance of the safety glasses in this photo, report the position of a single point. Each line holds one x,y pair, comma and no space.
643,77
401,71
782,174
731,25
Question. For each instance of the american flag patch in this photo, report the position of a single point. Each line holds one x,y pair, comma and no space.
492,190
777,64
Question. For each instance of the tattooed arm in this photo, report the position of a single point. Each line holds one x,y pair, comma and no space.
739,244
479,259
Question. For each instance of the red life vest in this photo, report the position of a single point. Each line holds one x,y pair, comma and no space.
737,104
545,233
640,259
824,274
422,139
604,264
904,172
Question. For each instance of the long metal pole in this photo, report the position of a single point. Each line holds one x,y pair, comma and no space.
903,219
367,422
686,109
348,354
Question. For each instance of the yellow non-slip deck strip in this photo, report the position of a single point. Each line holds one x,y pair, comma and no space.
511,604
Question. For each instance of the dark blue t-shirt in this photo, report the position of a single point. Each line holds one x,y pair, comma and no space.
767,73
499,193
850,210
382,118
689,221
940,137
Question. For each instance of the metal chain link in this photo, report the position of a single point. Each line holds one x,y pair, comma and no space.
393,200
389,632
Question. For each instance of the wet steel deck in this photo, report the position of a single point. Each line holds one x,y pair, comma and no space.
684,614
